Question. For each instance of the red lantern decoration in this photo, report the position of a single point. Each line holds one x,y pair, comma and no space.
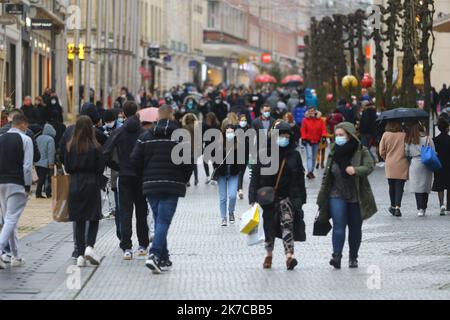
330,97
367,81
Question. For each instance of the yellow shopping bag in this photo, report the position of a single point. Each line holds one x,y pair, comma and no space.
251,219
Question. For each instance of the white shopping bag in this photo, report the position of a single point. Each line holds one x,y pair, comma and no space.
257,236
250,219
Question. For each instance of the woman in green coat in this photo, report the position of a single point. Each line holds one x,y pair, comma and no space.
346,196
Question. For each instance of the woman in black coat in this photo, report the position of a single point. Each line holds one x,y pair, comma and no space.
84,162
284,218
442,177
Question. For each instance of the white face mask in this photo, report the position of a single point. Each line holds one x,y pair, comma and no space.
230,136
110,125
53,101
243,124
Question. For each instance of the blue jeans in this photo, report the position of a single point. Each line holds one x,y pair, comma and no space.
163,208
346,214
228,188
311,155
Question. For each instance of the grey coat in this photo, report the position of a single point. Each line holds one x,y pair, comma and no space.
46,145
420,178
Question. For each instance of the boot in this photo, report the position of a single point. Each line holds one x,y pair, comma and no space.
336,261
353,264
267,263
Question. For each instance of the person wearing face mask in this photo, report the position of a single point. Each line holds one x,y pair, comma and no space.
313,132
55,109
226,173
210,123
283,219
244,126
346,196
110,122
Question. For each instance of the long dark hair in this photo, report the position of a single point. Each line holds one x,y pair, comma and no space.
83,136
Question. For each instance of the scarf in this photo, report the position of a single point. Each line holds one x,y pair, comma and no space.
343,155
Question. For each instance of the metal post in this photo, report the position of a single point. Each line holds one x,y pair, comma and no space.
114,73
107,55
76,71
121,67
98,72
87,66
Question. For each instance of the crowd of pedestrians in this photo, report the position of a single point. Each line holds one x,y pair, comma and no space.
136,150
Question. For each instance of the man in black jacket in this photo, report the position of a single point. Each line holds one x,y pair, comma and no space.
164,182
117,152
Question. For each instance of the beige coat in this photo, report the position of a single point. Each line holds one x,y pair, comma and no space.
392,150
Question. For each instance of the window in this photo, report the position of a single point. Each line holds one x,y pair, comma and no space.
213,15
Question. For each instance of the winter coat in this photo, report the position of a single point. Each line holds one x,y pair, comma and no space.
392,150
442,177
86,173
368,122
333,120
420,178
293,101
152,158
46,145
313,130
311,100
292,186
364,165
120,145
299,115
222,169
220,110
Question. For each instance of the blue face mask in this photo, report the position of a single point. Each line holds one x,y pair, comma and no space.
266,115
283,142
340,141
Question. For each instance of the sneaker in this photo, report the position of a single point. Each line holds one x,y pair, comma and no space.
241,194
392,211
421,213
398,213
142,252
380,164
81,262
208,181
6,258
2,265
224,222
128,255
154,264
232,219
166,265
91,256
17,262
443,211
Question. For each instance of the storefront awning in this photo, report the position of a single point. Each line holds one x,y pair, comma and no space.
44,13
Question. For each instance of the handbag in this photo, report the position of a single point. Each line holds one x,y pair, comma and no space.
321,228
266,195
214,176
430,158
60,201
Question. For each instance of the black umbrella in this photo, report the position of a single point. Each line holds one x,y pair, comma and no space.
404,114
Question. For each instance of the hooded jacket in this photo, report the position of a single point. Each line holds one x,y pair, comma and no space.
364,165
152,158
120,145
46,145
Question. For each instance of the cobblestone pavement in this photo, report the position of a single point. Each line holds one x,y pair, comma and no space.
404,258
37,215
